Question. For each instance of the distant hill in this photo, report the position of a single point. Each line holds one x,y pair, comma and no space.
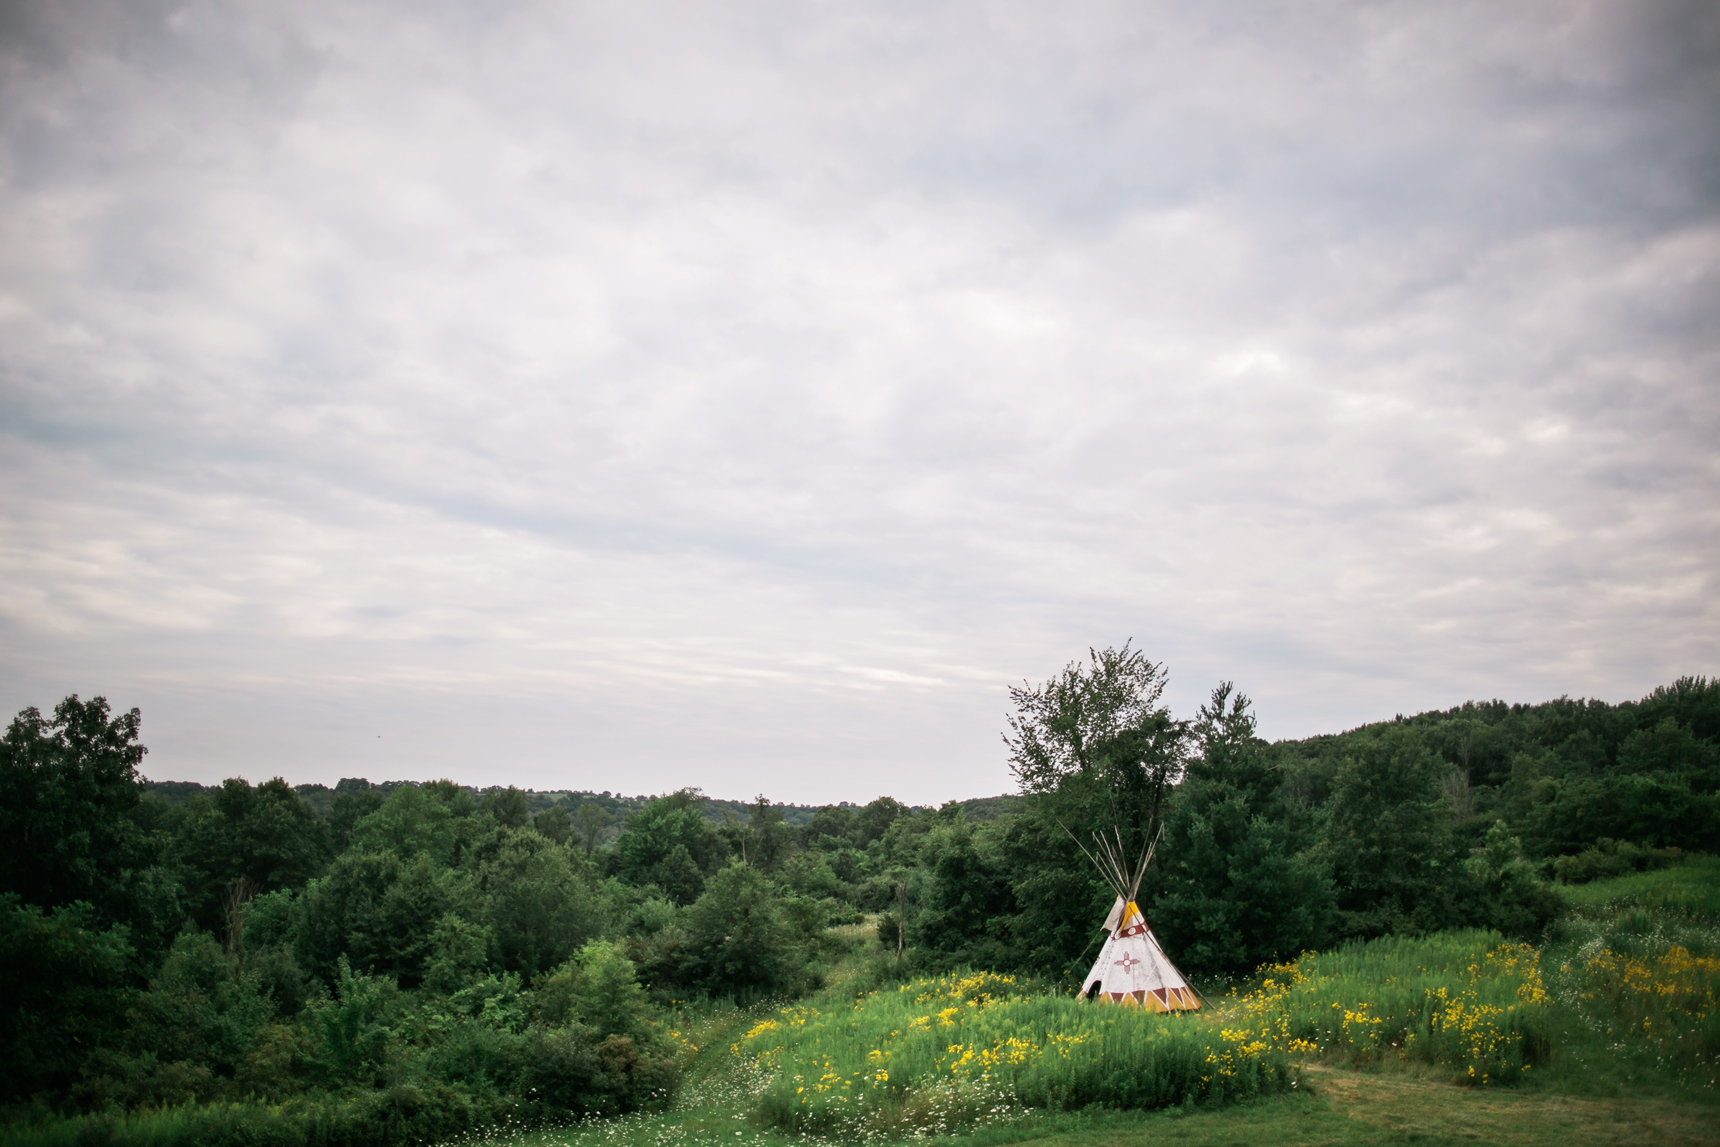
618,806
991,808
321,798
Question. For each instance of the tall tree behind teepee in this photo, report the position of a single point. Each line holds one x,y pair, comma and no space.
1095,746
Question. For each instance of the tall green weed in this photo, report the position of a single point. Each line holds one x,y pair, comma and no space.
1461,1000
938,1054
1636,969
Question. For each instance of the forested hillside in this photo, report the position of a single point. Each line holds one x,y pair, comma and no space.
426,958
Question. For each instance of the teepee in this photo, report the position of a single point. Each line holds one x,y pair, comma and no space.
1132,969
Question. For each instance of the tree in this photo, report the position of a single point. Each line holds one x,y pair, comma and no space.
1059,895
410,821
507,807
1390,838
378,909
66,787
873,821
239,841
830,828
1096,745
599,988
736,935
766,835
1231,888
593,819
679,876
459,954
1515,902
655,831
965,910
542,903
354,799
554,823
62,981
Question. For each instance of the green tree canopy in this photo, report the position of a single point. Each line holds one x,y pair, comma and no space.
736,933
409,822
1096,746
1232,887
66,785
1392,848
542,902
240,841
663,825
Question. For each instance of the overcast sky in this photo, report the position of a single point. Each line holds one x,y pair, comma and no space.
625,396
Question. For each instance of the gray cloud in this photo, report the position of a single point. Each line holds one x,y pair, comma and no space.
742,395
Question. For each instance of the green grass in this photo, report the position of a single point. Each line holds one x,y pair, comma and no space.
1635,973
1465,1002
1691,888
941,1053
1331,1107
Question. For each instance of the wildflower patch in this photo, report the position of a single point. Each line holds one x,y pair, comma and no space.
1461,1000
944,1054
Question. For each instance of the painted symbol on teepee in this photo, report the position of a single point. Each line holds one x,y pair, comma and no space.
1127,963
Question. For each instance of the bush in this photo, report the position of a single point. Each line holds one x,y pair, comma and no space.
598,988
61,979
395,1117
736,938
1608,858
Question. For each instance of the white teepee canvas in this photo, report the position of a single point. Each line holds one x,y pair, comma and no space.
1132,969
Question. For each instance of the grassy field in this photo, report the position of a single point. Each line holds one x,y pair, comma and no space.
1608,1033
1691,888
1332,1106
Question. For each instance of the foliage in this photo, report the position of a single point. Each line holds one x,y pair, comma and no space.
1689,890
241,841
379,909
1637,966
1391,842
61,992
735,932
599,988
67,785
1237,885
657,830
1096,744
410,822
1611,858
543,902
554,824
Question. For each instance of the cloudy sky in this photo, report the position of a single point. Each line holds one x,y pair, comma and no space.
744,394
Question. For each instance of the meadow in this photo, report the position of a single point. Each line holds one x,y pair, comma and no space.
1606,1033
